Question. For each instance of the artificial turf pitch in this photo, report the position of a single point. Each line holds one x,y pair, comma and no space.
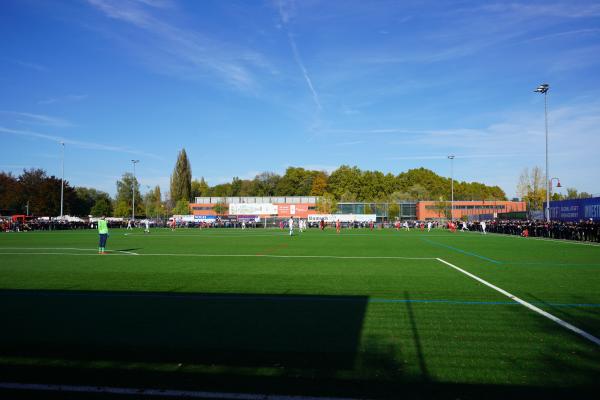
357,314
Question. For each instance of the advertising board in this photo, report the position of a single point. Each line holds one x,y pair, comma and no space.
205,218
575,210
248,218
252,209
329,218
296,210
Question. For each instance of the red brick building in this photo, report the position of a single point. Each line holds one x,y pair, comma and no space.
441,210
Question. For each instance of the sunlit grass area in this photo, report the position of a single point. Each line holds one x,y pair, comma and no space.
361,314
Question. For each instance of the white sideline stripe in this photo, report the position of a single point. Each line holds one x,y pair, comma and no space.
225,255
538,310
542,239
201,235
62,248
345,235
155,392
46,248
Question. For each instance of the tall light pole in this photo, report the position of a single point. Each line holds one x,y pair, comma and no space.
133,191
543,88
62,179
451,157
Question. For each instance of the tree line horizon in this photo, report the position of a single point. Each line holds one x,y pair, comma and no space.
345,184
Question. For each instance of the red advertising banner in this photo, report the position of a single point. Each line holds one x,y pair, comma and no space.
294,210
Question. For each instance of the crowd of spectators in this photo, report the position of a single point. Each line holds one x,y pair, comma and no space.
7,224
588,231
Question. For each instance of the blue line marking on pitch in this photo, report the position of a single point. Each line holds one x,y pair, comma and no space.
274,297
441,301
461,251
467,302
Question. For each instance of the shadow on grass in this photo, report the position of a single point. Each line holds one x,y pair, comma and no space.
226,329
416,338
310,345
131,249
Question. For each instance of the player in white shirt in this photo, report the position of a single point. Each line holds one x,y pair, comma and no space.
406,226
483,227
464,227
291,225
428,226
147,223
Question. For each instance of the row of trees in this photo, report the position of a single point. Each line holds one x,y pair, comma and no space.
351,184
37,193
532,189
40,194
344,184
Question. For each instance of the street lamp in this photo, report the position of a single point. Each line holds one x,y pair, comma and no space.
62,179
133,191
451,157
558,185
543,88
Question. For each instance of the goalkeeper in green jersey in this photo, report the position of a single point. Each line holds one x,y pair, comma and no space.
103,232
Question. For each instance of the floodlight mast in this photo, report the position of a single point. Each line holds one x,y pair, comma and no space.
133,192
451,157
543,89
62,179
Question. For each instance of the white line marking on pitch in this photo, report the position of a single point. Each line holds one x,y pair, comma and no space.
538,310
200,235
155,392
542,239
221,255
61,248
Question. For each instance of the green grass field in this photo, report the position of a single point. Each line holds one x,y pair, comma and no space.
359,314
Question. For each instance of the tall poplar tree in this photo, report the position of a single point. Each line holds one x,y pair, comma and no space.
181,180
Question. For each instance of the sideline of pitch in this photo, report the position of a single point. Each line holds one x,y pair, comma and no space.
111,390
129,253
538,310
542,239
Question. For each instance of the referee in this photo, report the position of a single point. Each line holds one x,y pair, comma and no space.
103,232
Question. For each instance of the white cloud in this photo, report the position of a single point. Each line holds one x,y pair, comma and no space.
38,119
77,143
29,65
285,10
184,53
70,98
497,153
570,9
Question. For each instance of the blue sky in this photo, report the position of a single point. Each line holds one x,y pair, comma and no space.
249,86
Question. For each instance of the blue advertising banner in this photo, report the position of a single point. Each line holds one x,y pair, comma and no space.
575,210
206,218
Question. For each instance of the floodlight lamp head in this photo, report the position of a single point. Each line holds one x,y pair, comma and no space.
451,157
543,88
